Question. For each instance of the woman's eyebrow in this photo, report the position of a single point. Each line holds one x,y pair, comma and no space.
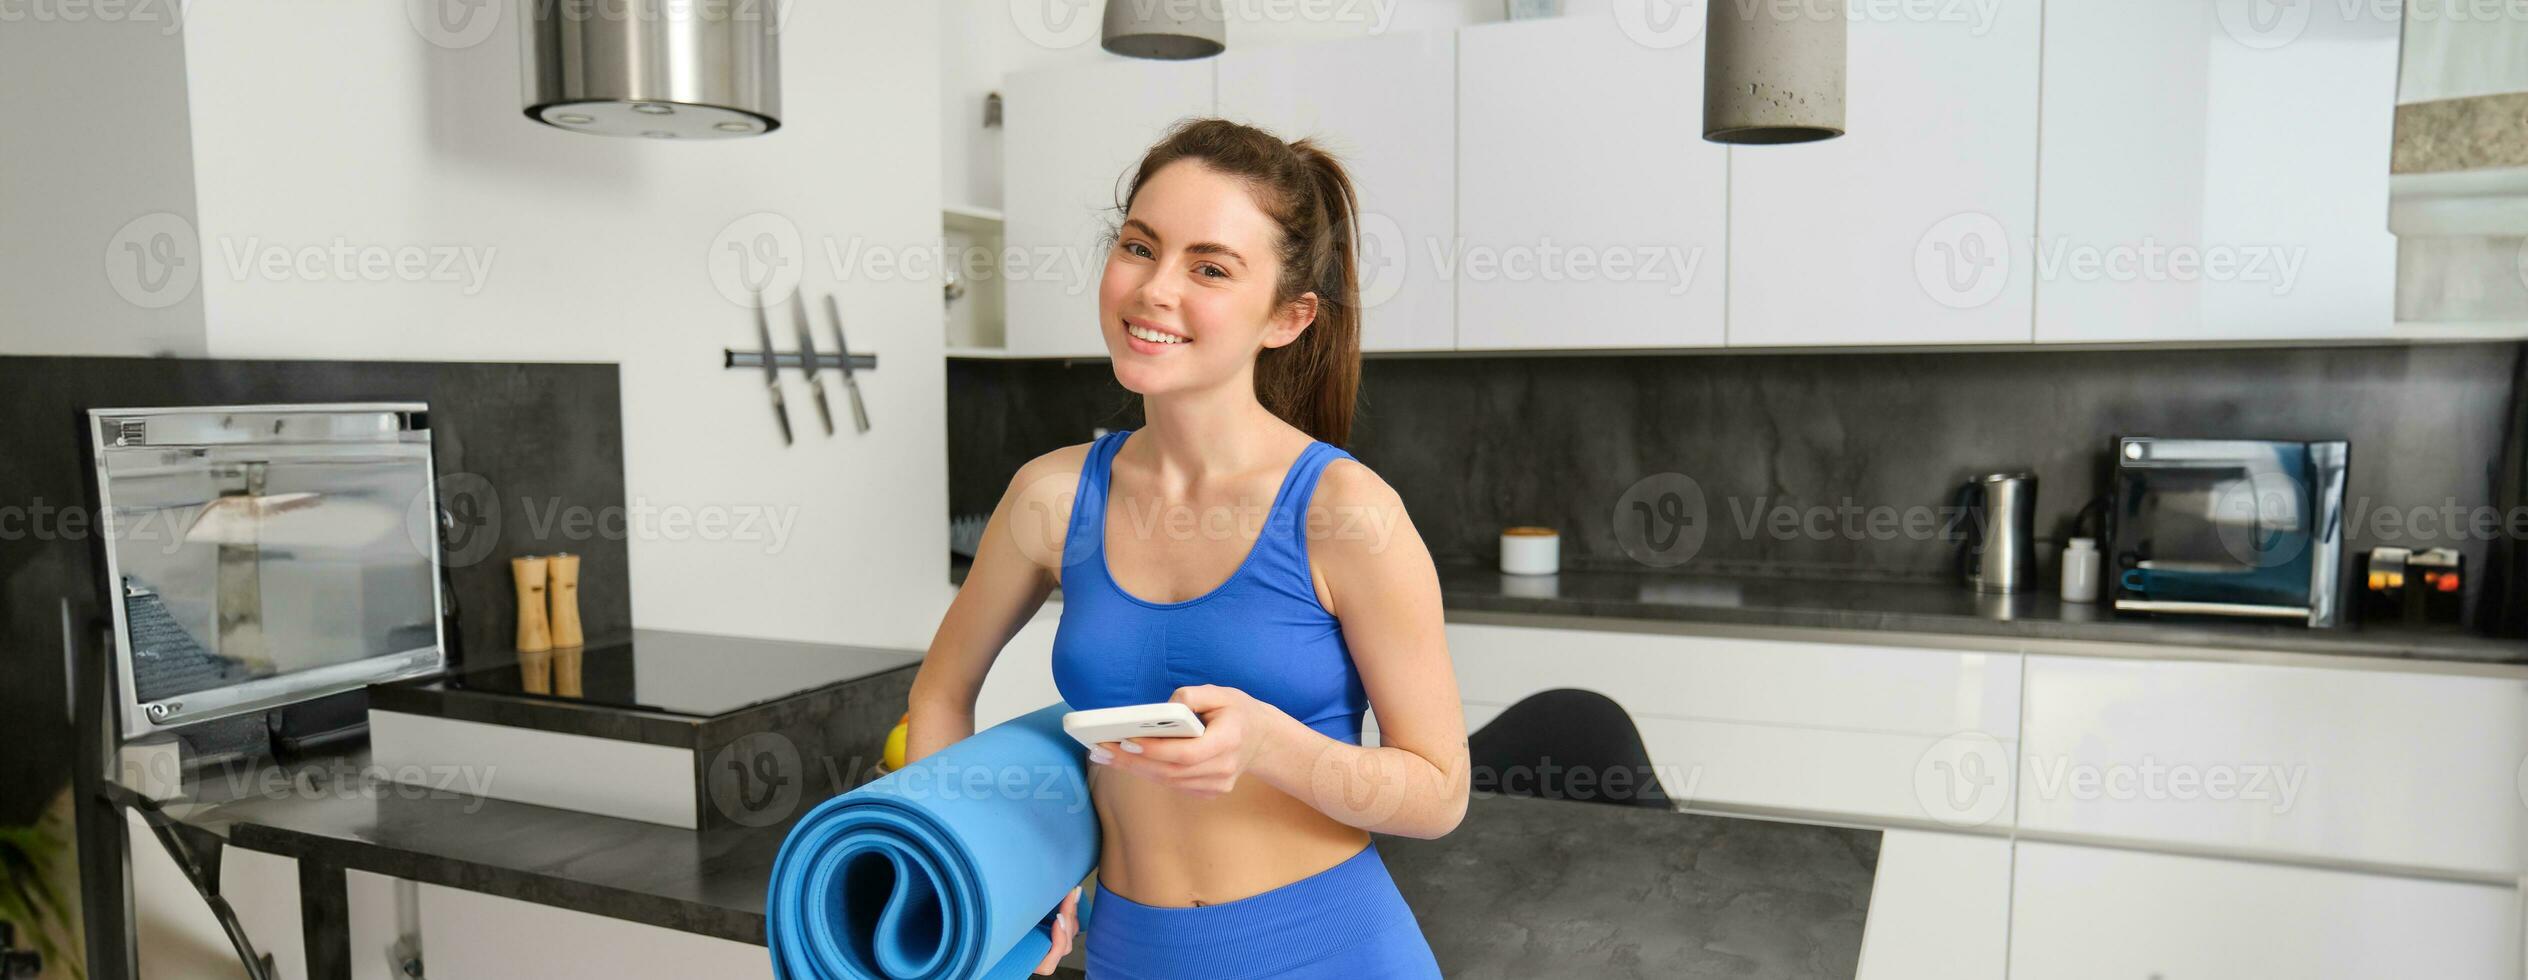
1198,248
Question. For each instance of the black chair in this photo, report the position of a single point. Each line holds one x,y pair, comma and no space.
1566,744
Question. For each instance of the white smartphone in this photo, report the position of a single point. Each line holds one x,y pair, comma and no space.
1166,719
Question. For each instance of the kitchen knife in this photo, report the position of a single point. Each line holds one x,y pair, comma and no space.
807,360
851,382
772,370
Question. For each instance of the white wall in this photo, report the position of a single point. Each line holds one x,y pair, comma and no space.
323,125
983,40
96,182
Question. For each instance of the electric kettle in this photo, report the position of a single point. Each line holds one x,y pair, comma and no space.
1997,512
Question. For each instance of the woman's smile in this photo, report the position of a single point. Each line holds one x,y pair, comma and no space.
1146,337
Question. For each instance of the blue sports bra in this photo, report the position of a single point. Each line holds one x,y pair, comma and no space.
1262,631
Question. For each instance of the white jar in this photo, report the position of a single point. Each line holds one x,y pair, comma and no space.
2080,571
1530,551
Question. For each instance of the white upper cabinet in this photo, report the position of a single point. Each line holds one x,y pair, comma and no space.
1914,226
1590,211
1387,107
2215,171
1072,137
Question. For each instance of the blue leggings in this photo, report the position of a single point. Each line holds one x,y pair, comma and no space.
1346,922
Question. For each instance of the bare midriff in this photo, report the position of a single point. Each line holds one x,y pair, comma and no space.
1172,849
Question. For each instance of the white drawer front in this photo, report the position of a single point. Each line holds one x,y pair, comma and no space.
1939,908
2099,912
1899,690
1870,777
2416,770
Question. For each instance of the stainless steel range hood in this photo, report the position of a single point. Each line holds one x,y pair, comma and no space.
663,69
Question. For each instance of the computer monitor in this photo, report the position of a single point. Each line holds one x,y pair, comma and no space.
260,556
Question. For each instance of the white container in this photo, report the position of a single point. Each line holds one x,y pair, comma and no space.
2080,571
1530,551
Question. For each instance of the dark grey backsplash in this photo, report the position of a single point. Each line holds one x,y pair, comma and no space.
1825,441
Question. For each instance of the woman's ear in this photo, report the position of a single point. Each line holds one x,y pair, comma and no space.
1292,320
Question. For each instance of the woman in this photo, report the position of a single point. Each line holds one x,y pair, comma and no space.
1229,556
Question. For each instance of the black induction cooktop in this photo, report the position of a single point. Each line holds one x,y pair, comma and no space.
695,675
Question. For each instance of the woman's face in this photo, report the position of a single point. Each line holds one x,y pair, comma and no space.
1187,298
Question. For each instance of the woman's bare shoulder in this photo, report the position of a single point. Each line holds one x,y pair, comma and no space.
1064,462
1036,510
1354,513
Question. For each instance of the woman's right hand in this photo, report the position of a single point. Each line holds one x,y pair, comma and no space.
1066,925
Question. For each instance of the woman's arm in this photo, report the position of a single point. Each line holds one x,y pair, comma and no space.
1379,582
1383,587
1014,569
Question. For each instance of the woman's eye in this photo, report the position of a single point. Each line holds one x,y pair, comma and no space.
1213,271
1136,248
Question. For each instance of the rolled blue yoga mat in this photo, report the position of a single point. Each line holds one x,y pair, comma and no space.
947,869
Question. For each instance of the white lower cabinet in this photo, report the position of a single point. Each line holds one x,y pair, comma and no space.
1939,908
2389,769
1900,734
1021,679
484,937
2082,912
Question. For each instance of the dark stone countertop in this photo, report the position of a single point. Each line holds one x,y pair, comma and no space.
1924,607
1930,608
1522,888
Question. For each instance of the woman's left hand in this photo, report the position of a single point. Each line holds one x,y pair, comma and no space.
1236,728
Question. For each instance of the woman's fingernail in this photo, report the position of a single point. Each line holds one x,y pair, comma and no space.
1131,746
1100,756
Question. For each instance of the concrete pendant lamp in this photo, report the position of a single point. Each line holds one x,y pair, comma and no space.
1165,30
1773,71
662,69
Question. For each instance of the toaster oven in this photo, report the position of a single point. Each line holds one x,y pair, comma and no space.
2227,527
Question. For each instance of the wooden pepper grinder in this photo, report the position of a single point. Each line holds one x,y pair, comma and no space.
534,634
562,581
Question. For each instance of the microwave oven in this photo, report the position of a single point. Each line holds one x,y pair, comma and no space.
2228,527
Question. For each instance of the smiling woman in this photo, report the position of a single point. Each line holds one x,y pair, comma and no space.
1230,304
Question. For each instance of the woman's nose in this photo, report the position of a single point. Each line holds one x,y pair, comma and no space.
1159,290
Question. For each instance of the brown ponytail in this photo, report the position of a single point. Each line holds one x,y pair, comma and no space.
1312,382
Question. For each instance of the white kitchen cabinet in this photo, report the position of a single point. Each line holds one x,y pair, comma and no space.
175,936
1387,107
1939,908
1901,734
1072,136
2404,770
1021,678
1591,212
1913,227
2080,912
487,937
2215,171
